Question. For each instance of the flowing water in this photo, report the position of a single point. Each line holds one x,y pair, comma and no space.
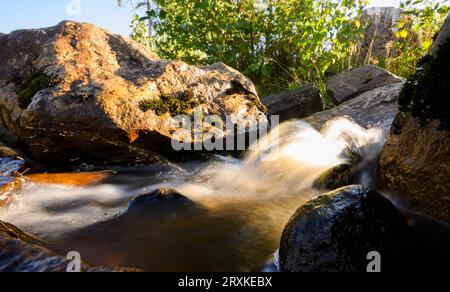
233,216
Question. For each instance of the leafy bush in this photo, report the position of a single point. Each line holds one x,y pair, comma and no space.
277,43
419,23
282,44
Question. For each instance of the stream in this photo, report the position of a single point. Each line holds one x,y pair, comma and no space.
230,218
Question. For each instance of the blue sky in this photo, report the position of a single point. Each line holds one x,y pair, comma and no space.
19,14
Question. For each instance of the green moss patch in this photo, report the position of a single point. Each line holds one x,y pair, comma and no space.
175,105
426,95
32,85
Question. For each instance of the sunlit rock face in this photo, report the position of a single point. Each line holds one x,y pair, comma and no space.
75,93
415,162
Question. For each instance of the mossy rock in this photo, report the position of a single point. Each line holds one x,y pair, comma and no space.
175,105
425,94
32,85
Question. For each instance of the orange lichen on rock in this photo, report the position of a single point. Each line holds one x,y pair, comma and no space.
68,179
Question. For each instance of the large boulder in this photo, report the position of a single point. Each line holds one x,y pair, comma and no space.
375,108
20,252
294,104
415,163
348,85
75,93
336,232
341,230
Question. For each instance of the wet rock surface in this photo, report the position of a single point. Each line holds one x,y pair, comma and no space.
161,200
337,231
68,179
376,108
415,165
20,252
11,169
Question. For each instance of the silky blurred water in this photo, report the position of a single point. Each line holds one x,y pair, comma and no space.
233,216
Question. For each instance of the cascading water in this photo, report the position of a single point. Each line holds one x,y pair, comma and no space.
242,206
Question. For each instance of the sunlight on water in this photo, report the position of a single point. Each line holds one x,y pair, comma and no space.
291,158
246,203
56,208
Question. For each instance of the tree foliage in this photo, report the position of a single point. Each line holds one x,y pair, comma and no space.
275,42
281,44
419,23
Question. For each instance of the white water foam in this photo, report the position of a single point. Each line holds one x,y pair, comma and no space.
283,164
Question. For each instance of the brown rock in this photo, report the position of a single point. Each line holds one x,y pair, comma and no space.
415,163
75,93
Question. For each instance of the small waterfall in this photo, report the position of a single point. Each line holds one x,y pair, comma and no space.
247,203
284,163
290,159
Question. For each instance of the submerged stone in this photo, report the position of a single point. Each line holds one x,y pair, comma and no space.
164,201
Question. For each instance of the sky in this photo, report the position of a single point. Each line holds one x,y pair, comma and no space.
22,14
